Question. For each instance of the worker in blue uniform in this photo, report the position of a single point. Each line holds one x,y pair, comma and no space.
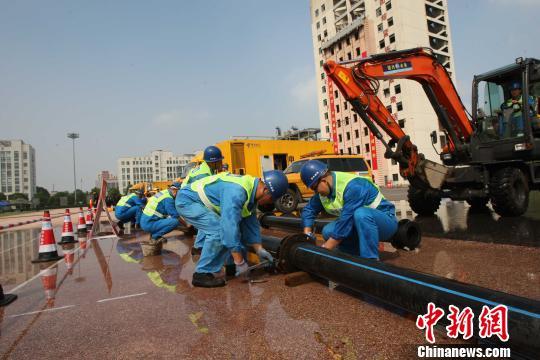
159,216
211,165
129,209
512,124
224,207
365,217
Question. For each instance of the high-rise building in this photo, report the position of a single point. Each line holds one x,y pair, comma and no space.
159,165
110,179
347,29
17,168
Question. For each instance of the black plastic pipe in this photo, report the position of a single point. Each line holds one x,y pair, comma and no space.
408,235
411,290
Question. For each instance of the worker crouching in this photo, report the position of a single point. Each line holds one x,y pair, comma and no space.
224,207
365,217
129,209
160,216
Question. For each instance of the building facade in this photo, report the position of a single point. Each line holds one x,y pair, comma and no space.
110,179
347,29
17,168
159,165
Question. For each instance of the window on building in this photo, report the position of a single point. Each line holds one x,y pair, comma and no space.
366,131
332,50
327,128
394,162
356,133
357,51
348,41
337,108
341,58
380,27
319,37
325,102
358,149
381,44
341,151
349,56
349,151
336,94
325,33
401,123
395,177
388,5
367,147
389,108
355,117
346,118
318,25
323,8
392,38
340,138
316,12
339,123
399,106
324,20
397,89
348,134
322,76
326,116
323,89
321,63
390,21
386,92
378,12
346,106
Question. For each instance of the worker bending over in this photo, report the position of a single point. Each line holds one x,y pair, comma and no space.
365,217
211,165
129,209
224,207
160,216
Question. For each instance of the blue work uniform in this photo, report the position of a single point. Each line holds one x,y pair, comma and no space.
359,227
234,228
515,127
199,172
129,209
164,218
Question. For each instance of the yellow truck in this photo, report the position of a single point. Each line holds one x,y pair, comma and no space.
253,156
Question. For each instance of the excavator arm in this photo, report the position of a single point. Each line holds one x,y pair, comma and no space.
359,85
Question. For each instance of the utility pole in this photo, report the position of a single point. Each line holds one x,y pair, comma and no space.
74,136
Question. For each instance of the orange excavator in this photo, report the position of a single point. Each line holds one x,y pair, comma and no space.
493,155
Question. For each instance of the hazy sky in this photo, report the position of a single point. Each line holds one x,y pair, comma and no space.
133,76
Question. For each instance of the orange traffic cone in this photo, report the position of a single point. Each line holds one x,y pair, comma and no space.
47,245
81,226
89,219
83,245
91,203
67,230
48,280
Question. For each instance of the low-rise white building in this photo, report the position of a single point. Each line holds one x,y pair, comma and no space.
159,165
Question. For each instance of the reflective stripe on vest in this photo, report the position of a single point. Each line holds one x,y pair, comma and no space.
245,181
151,208
201,169
335,206
124,199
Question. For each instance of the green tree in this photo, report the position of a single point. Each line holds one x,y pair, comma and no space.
43,196
2,196
15,196
54,201
113,195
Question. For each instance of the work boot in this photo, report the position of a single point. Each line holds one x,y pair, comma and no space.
196,251
120,225
137,227
207,280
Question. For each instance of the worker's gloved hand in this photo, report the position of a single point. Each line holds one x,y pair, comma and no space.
264,255
311,236
241,268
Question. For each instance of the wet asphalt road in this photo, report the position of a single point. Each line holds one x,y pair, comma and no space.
108,301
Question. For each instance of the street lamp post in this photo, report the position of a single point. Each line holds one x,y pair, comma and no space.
74,136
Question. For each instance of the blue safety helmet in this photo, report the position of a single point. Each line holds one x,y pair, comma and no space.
515,85
276,182
212,154
312,171
176,185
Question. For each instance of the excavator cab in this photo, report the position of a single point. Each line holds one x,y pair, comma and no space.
507,125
